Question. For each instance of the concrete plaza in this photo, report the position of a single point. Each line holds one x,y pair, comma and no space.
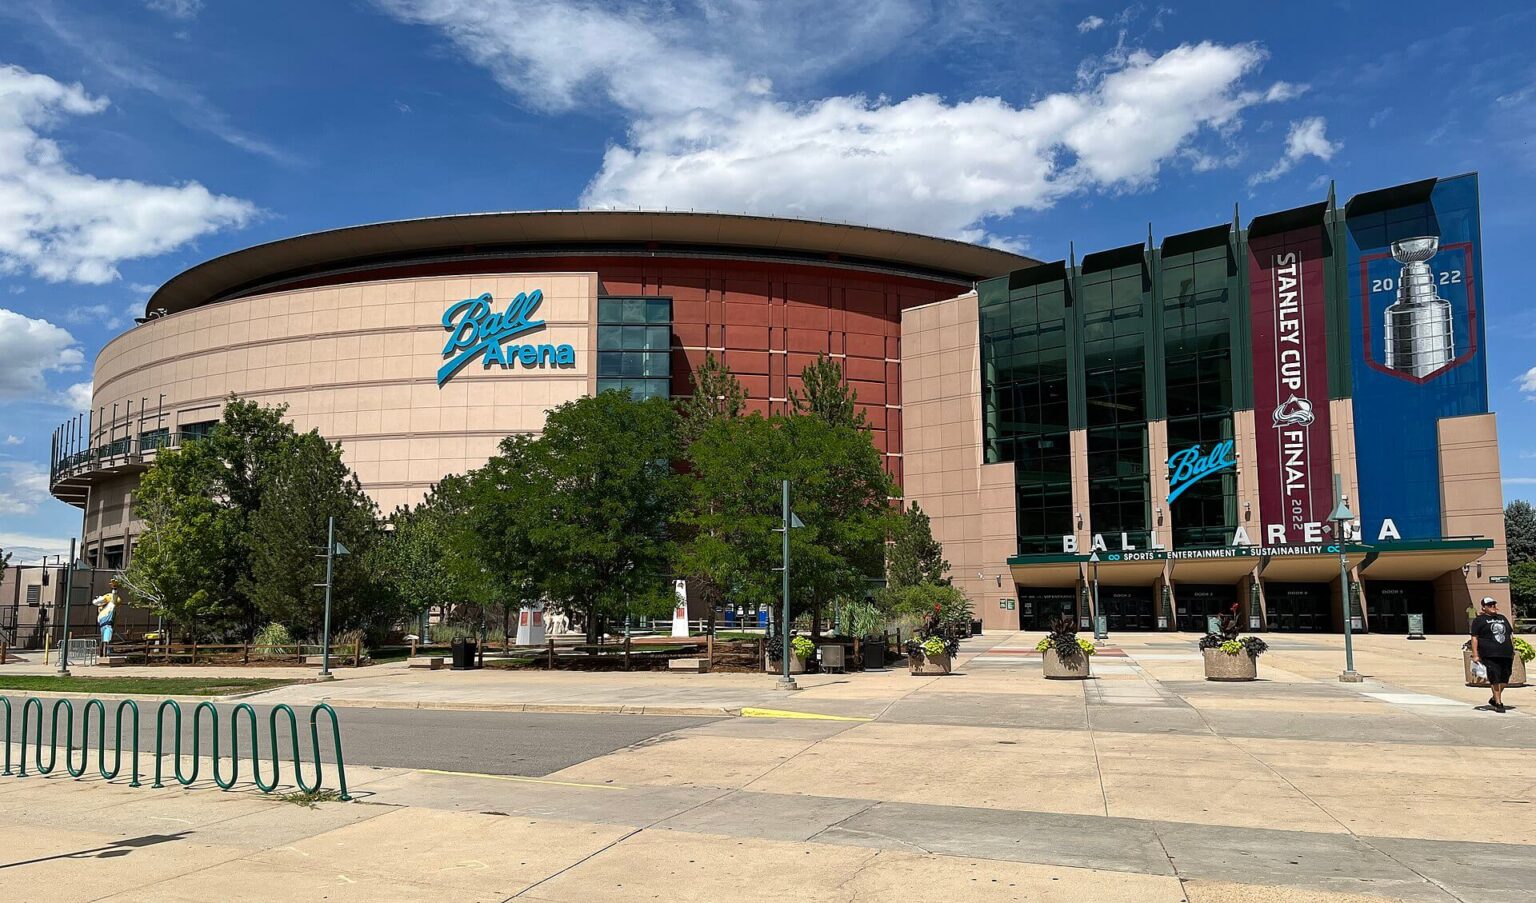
1145,783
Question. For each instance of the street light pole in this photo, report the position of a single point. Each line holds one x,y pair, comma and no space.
63,626
1093,613
1341,516
785,681
325,637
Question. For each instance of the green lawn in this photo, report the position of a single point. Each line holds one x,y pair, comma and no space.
140,686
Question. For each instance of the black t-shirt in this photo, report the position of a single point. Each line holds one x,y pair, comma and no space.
1495,638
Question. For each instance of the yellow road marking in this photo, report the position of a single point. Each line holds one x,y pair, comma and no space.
517,779
810,716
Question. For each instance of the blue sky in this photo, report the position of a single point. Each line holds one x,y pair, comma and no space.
139,137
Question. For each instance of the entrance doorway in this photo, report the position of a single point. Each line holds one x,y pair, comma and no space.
1389,603
1128,607
1299,607
1039,606
1200,601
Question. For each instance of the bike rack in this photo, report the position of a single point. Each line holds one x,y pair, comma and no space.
170,705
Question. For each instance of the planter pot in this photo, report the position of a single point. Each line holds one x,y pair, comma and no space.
796,666
1074,668
929,664
1516,673
1221,666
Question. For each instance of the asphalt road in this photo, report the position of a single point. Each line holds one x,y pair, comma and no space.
528,744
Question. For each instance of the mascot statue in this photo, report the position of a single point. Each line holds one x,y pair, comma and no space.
106,610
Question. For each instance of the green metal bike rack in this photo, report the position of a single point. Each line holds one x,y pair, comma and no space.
161,721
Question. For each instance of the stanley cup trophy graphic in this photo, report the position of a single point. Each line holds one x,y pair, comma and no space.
1418,327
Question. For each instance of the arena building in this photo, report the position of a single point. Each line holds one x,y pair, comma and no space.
1165,423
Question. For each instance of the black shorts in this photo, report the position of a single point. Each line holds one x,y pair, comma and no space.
1498,669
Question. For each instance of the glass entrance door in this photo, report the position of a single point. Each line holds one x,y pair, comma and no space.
1039,606
1390,602
1299,607
1128,607
1196,602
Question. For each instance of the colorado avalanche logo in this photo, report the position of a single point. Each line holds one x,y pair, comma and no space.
1294,412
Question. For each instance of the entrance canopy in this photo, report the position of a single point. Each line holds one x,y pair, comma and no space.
1421,560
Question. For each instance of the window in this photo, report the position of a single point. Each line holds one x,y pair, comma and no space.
1114,392
1198,366
1024,355
200,430
634,341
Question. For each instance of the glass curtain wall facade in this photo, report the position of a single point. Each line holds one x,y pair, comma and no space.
1198,323
1024,348
634,342
1114,312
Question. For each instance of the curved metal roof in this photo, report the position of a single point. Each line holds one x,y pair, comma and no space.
357,249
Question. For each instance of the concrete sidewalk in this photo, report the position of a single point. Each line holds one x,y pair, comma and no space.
1145,783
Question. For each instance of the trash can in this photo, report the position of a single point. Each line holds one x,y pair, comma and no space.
975,628
464,654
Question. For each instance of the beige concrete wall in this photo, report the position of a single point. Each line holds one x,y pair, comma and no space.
1246,441
1341,418
1472,504
1161,524
1082,511
356,362
971,505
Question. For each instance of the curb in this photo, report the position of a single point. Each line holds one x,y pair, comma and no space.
532,707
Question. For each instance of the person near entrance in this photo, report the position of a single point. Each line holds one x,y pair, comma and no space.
1493,645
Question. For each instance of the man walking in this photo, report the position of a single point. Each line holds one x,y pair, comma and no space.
1493,644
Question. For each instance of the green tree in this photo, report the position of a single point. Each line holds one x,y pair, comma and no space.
827,395
309,485
1522,589
838,489
193,556
717,394
414,560
914,556
582,515
1520,531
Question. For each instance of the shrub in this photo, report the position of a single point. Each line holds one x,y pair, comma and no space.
1524,650
273,641
801,647
1063,638
933,646
1227,640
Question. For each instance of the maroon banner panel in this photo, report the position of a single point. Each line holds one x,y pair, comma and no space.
1290,383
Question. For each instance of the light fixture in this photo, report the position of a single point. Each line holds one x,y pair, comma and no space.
1000,580
1247,510
1159,511
1079,516
1479,568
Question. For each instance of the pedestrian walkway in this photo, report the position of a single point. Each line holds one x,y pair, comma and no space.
1144,783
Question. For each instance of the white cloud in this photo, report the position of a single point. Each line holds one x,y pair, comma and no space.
1307,138
22,487
176,9
60,224
713,128
11,440
1089,24
28,549
1527,381
30,348
928,165
78,396
1513,481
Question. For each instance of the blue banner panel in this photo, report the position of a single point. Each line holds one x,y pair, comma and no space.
1416,329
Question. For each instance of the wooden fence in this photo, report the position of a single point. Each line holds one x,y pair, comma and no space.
348,654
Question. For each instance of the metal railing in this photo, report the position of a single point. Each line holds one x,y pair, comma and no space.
170,705
127,450
84,652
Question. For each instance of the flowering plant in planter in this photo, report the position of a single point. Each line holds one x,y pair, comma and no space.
1228,641
1064,639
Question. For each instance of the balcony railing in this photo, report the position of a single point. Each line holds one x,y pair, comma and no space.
139,449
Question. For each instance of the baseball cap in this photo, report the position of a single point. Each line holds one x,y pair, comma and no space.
1489,600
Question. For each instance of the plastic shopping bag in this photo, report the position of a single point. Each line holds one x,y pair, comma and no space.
1479,670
